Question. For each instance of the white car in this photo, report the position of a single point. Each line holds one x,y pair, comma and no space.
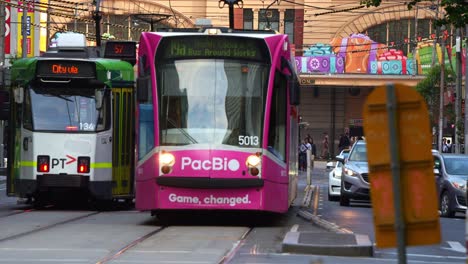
334,177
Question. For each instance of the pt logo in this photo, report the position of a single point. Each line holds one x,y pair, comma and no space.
61,162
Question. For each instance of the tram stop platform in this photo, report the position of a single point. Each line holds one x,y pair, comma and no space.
322,237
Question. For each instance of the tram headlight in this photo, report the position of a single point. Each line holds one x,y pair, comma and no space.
253,162
166,161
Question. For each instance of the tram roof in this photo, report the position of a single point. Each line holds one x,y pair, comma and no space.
220,31
24,70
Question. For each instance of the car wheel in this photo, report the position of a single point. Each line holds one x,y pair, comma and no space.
344,201
445,208
332,198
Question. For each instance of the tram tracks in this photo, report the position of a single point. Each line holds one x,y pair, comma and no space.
130,245
44,227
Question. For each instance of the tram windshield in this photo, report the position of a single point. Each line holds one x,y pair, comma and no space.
70,109
211,101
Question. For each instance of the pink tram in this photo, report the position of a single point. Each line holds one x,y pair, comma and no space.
217,121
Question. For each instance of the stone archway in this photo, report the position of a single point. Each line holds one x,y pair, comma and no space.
116,14
382,15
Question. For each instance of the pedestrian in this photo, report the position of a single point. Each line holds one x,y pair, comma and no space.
344,143
325,151
302,155
449,146
444,146
313,153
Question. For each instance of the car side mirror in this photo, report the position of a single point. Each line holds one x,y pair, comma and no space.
436,172
330,165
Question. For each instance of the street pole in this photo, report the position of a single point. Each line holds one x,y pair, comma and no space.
97,20
458,90
2,43
24,32
441,91
466,93
231,4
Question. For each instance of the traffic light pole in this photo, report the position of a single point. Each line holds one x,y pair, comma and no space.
97,19
24,30
231,4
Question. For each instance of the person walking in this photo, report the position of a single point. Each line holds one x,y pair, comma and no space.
303,155
313,150
344,143
325,151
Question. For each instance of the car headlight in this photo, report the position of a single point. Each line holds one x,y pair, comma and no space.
350,172
459,186
337,174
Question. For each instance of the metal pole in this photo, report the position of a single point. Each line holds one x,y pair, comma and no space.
97,19
24,32
231,15
441,92
466,93
75,23
458,90
415,40
2,43
400,227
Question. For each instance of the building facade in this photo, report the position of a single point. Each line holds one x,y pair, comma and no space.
330,103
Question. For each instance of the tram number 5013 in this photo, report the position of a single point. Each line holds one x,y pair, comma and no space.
248,141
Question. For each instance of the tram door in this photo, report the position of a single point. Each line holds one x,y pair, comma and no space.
123,140
13,145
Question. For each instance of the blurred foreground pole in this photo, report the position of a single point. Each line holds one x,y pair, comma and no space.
400,227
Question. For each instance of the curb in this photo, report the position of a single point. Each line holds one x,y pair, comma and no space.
323,223
357,245
338,242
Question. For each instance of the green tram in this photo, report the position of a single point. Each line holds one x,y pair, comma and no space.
71,126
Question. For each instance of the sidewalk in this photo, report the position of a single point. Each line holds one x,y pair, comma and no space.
324,238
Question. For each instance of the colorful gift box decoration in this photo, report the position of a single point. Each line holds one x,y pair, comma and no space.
298,60
424,51
321,59
392,62
358,50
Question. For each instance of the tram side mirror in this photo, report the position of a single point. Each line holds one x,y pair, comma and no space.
99,97
18,93
142,89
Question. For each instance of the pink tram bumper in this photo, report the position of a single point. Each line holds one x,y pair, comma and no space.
213,180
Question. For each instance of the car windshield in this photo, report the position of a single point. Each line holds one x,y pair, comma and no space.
359,153
456,165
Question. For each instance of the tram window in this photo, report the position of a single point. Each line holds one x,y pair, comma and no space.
27,114
277,131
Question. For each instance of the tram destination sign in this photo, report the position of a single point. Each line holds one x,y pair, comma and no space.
65,69
226,47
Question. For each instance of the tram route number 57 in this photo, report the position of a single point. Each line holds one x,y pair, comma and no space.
61,162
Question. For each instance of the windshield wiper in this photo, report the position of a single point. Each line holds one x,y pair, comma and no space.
61,97
187,135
